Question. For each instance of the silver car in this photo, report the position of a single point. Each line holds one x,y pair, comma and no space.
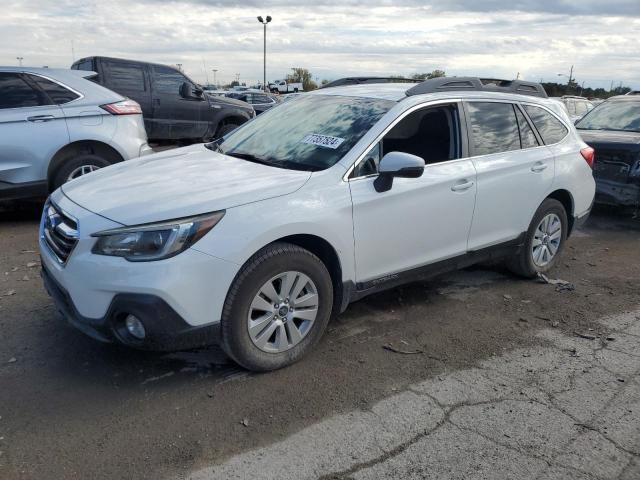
55,125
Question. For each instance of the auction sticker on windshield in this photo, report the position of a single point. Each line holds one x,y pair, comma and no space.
323,140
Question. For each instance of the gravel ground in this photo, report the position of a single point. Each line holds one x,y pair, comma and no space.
504,387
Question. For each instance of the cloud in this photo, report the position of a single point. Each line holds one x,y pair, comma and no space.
537,39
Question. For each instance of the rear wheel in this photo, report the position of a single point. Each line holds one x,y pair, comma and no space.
277,308
77,166
544,240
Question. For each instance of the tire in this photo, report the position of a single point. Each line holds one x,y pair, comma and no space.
525,262
73,163
239,311
227,128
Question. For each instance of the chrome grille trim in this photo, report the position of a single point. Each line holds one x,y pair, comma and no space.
59,232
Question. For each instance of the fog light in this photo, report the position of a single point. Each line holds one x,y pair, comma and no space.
135,327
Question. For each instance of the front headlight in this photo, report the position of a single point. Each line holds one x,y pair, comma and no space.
155,241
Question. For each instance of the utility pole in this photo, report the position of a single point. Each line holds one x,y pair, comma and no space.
264,71
571,75
20,60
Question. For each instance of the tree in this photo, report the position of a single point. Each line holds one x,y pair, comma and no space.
427,76
302,75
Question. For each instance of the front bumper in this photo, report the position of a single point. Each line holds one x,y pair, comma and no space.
165,329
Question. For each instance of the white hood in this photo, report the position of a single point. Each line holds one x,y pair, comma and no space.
179,183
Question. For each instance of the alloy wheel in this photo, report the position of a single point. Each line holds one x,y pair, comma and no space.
82,170
546,240
283,312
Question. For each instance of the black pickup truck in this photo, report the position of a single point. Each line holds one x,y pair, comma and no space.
612,129
174,107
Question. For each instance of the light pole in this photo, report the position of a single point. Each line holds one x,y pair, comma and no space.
264,72
215,82
20,60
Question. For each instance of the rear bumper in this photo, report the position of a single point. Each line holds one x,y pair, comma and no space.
609,192
17,191
165,329
580,220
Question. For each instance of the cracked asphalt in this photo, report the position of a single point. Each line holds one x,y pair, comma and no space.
512,379
567,409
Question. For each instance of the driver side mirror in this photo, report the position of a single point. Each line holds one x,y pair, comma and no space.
187,91
397,164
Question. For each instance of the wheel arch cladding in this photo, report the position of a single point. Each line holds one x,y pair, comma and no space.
566,199
328,255
94,147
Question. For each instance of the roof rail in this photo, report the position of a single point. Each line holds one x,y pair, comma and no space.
467,84
361,80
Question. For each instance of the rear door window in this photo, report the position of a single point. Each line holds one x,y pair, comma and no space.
15,92
56,92
494,127
549,127
124,78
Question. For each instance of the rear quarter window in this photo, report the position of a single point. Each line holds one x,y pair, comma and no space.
56,92
549,127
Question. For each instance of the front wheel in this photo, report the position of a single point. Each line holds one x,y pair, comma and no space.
277,308
544,240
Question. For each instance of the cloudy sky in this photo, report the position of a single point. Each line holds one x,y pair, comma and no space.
494,38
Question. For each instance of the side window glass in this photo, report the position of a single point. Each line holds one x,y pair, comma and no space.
571,107
581,108
369,165
431,133
17,93
56,92
494,128
527,137
124,78
167,80
550,128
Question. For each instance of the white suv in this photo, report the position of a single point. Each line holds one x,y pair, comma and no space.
255,240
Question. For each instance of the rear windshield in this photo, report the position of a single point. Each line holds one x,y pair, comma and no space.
311,132
622,116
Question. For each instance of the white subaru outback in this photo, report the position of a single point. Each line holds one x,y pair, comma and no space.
255,240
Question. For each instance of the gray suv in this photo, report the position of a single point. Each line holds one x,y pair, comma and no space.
55,125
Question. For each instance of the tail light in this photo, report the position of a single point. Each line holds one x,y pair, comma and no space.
588,154
125,107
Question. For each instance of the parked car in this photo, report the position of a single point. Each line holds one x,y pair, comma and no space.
260,101
577,107
261,236
174,106
613,130
282,86
55,126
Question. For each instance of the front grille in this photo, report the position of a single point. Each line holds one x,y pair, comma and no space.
60,232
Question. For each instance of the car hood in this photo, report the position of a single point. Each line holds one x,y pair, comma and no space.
179,183
609,138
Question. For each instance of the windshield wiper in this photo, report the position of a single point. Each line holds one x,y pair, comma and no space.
214,146
252,158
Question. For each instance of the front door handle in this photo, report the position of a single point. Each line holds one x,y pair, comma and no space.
539,167
40,118
462,186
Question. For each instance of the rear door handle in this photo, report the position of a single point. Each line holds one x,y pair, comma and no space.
462,186
539,167
40,118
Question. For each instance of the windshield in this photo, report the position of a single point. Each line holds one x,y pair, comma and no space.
311,132
620,115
